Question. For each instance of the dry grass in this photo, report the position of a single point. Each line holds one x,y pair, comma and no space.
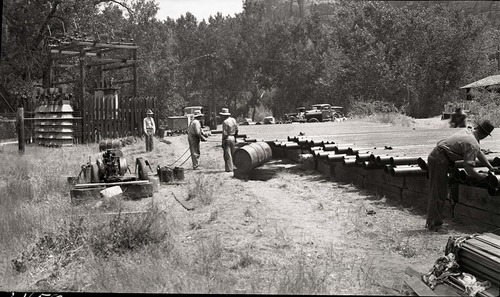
233,242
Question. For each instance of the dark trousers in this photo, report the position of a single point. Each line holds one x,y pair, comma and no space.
194,148
228,149
438,168
149,141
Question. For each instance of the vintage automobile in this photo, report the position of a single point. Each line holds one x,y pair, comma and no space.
247,121
323,113
298,116
269,120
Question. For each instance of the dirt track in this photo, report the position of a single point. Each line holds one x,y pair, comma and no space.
360,243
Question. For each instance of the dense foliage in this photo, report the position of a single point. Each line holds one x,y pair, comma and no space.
413,59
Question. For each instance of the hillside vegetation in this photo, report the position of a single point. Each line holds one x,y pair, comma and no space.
340,52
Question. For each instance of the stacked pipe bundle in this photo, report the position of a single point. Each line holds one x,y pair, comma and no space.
478,255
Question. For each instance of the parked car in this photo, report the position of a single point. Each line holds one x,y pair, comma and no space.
269,120
298,116
323,113
247,121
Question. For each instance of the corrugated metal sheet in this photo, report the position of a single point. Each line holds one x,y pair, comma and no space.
485,82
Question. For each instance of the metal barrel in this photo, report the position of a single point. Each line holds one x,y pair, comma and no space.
422,164
407,171
336,157
107,144
251,156
394,161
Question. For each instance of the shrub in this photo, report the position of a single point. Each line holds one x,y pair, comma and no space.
366,108
486,106
202,188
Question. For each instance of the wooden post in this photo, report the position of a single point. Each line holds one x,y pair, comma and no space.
20,129
82,95
134,53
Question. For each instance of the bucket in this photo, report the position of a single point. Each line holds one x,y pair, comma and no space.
179,173
165,174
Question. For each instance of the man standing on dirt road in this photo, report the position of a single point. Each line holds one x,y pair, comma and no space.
149,129
195,135
463,145
229,132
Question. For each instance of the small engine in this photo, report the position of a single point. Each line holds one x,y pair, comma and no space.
113,165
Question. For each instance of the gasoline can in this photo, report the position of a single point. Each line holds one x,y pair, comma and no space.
165,174
179,173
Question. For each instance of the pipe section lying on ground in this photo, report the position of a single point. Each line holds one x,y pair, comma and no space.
394,161
408,170
494,161
250,140
422,163
251,156
369,165
329,146
383,160
493,180
362,157
349,162
337,157
464,177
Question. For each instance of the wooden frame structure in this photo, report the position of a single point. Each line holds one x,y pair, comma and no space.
106,56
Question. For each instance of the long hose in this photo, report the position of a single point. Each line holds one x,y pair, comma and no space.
180,158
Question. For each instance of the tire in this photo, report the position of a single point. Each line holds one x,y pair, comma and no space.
142,172
94,174
313,120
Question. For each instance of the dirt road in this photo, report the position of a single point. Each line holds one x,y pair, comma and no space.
346,240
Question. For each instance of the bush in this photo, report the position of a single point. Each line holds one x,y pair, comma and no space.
366,108
486,106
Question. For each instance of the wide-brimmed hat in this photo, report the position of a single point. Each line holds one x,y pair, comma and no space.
197,113
486,126
225,111
149,111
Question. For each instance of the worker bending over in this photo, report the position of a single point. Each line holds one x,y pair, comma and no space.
463,145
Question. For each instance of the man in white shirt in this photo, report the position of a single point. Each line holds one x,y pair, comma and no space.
195,135
149,130
229,132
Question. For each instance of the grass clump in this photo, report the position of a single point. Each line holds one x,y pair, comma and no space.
202,188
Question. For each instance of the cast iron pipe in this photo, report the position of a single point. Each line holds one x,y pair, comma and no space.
494,161
387,168
292,145
329,146
493,191
422,163
324,155
251,140
341,150
349,162
407,171
363,157
383,160
303,142
394,161
337,157
464,177
318,142
493,180
315,149
369,165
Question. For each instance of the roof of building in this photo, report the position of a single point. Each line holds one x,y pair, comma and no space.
485,82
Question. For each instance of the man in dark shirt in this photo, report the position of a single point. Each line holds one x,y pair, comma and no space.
463,145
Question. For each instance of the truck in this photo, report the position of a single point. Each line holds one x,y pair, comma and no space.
323,113
298,116
180,124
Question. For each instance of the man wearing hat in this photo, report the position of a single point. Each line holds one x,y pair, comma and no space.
195,135
463,145
229,132
149,129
